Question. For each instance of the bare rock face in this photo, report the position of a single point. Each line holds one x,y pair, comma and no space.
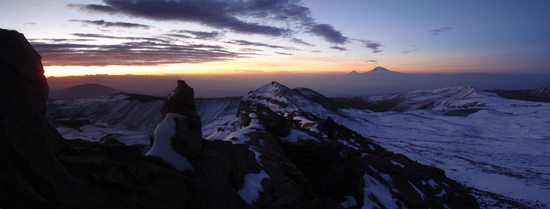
188,140
30,174
219,167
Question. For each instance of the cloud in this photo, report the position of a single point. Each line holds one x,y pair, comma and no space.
411,51
264,17
338,48
328,33
250,43
282,53
95,35
179,36
373,45
437,31
199,34
130,53
104,23
93,7
300,41
59,39
250,50
372,61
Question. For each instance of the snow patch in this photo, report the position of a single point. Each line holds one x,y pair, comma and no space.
162,147
252,187
375,188
296,135
418,191
397,164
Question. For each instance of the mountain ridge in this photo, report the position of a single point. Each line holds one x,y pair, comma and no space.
82,91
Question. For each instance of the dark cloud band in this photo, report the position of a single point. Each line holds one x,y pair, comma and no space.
104,23
250,43
374,46
234,15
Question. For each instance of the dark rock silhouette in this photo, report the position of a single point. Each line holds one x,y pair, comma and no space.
30,174
39,169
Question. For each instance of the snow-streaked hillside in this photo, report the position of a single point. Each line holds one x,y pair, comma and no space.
128,117
481,139
445,99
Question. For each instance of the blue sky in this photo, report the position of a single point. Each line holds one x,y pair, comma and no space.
408,36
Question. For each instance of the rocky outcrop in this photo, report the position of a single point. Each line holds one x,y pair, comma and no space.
312,162
39,169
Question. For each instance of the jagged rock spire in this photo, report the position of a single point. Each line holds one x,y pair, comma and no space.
181,101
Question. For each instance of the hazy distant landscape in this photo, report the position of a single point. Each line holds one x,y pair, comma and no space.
332,85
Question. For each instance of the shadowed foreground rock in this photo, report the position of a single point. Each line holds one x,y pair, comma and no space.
39,169
258,164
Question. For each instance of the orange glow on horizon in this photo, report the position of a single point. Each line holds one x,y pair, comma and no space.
213,68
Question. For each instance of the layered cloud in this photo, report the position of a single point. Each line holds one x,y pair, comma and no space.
131,53
302,42
338,48
197,34
104,23
264,17
250,43
95,35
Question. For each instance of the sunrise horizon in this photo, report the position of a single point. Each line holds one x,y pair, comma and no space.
117,37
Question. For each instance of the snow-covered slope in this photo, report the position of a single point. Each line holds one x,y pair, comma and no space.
445,99
481,139
495,145
275,118
129,118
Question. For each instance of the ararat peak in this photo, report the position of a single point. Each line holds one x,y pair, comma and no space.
380,69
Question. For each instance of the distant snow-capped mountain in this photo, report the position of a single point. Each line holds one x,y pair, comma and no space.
378,70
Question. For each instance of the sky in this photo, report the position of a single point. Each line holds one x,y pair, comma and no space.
215,37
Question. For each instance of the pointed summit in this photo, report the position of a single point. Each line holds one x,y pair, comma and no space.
353,72
380,69
273,88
